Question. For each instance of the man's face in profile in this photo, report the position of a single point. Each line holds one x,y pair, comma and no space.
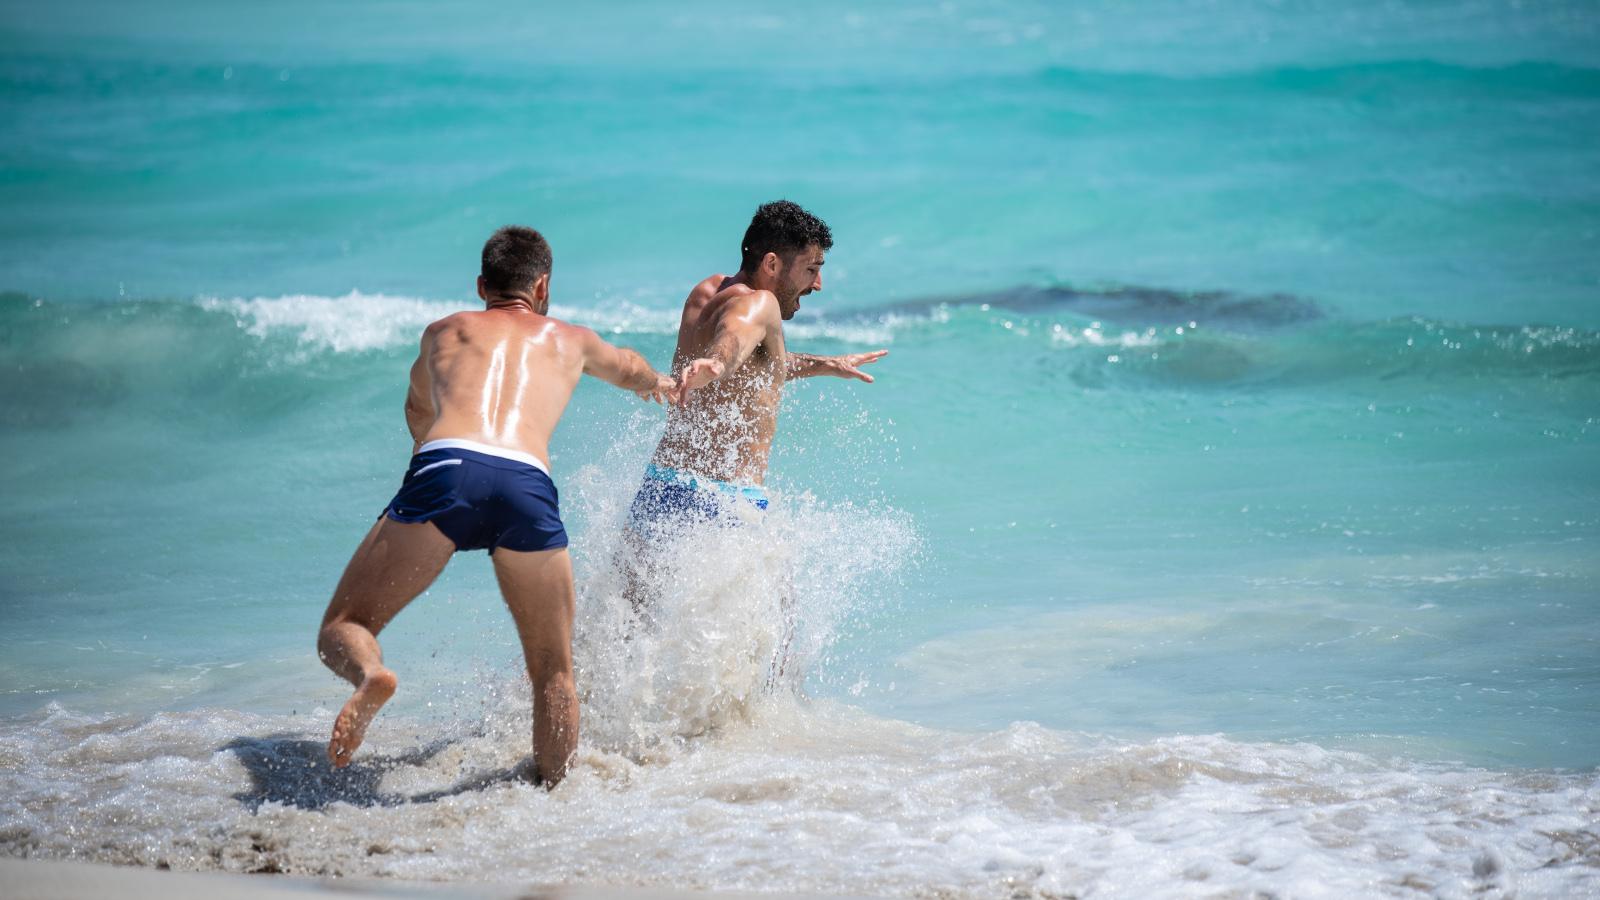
800,276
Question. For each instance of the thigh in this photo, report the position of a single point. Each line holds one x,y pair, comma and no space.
538,590
396,562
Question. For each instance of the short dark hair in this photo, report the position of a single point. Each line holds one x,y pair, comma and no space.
513,259
783,228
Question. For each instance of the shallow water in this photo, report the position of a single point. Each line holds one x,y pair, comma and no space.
1222,520
799,798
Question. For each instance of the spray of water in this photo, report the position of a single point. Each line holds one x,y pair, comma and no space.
683,630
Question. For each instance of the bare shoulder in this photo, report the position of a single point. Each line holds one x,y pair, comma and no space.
752,304
709,288
701,297
454,321
585,339
450,321
560,326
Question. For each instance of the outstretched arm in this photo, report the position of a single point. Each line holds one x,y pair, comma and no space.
624,368
744,324
805,365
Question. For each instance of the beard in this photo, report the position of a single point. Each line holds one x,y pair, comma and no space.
788,306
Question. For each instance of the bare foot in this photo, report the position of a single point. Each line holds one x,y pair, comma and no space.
350,726
528,770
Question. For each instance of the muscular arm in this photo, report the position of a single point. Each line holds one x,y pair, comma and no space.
805,365
622,367
741,329
419,396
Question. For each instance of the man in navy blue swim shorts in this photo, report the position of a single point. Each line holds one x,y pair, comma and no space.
486,392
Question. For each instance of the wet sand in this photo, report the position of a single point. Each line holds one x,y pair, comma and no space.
53,880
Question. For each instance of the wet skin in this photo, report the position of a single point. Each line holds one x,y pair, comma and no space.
731,353
500,376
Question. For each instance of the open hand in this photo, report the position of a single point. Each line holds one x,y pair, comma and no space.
665,390
849,365
697,375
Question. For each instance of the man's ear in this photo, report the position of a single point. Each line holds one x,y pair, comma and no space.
541,288
771,263
483,292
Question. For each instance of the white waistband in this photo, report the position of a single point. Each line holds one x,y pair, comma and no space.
487,450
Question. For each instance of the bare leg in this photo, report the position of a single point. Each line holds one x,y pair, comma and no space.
635,557
538,590
783,659
394,564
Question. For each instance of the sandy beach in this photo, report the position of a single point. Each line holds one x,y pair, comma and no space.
53,880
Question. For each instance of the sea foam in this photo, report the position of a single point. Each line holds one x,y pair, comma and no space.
795,796
359,322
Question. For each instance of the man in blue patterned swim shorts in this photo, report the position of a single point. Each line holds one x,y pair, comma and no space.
712,460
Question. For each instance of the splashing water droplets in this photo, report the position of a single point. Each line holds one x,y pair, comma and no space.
725,614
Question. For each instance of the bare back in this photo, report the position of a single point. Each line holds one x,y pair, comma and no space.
725,429
499,377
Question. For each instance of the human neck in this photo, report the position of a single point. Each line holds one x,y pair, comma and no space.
515,301
755,282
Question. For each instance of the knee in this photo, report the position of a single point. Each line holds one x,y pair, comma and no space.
329,637
325,641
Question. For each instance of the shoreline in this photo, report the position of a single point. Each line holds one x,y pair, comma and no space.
38,879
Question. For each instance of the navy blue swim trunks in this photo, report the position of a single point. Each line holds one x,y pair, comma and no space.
481,497
672,495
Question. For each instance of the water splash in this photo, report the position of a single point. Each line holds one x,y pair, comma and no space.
727,610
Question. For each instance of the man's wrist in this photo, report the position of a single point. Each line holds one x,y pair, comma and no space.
806,362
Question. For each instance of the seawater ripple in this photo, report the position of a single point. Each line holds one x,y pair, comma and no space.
242,353
358,323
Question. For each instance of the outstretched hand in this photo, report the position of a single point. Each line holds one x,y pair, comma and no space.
663,391
850,364
696,375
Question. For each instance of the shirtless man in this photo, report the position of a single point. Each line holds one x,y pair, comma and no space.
731,354
486,392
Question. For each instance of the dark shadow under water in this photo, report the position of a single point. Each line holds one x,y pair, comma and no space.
1143,305
295,772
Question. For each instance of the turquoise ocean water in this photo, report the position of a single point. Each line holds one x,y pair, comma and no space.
1223,519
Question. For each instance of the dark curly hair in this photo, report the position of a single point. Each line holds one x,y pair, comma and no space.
513,259
783,228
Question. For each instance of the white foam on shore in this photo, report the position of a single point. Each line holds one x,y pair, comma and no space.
798,797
